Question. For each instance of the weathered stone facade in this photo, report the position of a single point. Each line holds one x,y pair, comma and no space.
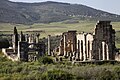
85,46
68,43
99,45
104,41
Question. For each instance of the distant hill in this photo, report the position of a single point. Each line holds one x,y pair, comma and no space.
45,12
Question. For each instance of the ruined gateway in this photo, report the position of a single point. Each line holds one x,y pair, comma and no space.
99,45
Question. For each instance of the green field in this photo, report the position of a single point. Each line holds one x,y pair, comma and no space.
58,28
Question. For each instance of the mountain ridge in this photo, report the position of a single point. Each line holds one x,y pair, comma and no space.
45,12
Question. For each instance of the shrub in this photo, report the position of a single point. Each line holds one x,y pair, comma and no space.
45,60
4,43
105,75
117,73
57,75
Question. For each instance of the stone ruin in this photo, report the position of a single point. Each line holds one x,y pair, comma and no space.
82,47
96,46
25,47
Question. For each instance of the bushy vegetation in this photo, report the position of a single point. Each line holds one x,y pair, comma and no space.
57,75
36,71
45,60
4,43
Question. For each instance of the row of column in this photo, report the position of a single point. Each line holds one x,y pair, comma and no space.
105,51
84,50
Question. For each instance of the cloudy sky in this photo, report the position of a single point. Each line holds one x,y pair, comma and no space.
112,6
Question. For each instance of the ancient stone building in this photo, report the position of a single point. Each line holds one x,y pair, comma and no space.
67,43
99,45
23,45
85,46
104,41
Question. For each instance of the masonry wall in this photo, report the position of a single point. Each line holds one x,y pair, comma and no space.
85,46
104,41
99,45
68,43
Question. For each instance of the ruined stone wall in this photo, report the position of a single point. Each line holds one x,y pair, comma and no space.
104,41
85,46
81,39
71,41
89,45
97,46
68,43
61,47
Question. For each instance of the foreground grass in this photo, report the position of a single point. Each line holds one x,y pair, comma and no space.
56,71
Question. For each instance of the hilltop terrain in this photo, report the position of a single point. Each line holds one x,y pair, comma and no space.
45,12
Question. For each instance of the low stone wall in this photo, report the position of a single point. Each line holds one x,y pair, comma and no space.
117,57
10,54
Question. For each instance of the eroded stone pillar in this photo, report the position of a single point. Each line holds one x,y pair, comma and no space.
84,57
99,53
107,51
84,51
26,38
103,50
65,52
78,52
37,38
15,40
81,50
90,52
49,46
31,40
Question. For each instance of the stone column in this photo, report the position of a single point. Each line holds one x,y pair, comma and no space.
38,47
37,38
60,51
107,51
84,51
65,52
90,52
49,46
19,51
26,38
15,39
81,53
78,52
31,40
85,47
99,53
84,57
103,50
